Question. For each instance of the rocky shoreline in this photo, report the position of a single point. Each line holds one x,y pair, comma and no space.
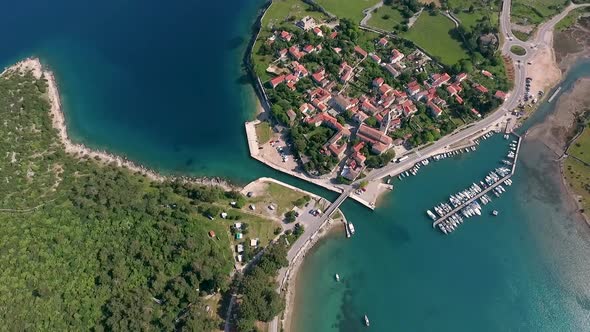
83,152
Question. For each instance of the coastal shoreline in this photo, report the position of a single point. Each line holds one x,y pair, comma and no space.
287,277
81,151
556,133
290,287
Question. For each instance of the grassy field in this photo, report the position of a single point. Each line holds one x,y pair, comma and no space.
469,20
577,176
263,132
571,18
283,10
433,34
577,173
521,35
581,148
482,10
535,11
352,9
518,50
282,198
386,18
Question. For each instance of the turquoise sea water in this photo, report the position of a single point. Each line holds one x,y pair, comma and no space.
524,270
162,84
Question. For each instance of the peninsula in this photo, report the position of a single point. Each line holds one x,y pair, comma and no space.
96,234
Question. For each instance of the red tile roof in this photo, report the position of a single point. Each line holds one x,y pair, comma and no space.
359,157
378,140
360,51
295,52
440,80
500,95
396,55
434,109
358,146
480,88
378,81
409,108
413,87
286,35
385,89
277,80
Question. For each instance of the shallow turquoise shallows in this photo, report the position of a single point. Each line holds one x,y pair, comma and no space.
162,83
524,270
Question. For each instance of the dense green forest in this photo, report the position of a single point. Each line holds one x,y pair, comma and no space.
91,246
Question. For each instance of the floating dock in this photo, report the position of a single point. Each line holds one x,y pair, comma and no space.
553,95
483,192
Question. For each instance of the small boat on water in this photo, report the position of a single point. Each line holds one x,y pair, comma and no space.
495,213
351,228
367,323
431,215
337,277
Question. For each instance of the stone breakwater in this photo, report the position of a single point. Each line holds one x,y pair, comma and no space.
83,152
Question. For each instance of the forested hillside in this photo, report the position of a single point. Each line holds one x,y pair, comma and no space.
85,245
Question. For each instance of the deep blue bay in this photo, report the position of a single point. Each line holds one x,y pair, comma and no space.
162,83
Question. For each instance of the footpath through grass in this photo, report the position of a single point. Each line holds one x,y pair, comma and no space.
433,33
352,9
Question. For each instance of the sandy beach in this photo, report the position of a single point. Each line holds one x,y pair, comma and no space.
81,151
332,228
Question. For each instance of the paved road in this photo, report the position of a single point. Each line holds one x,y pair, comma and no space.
369,12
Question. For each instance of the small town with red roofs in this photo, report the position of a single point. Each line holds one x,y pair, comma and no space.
344,99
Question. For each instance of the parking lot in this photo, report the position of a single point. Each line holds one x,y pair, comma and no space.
277,151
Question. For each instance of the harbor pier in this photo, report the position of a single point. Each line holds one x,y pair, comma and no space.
483,192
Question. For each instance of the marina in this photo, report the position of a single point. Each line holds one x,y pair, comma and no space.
452,153
467,203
